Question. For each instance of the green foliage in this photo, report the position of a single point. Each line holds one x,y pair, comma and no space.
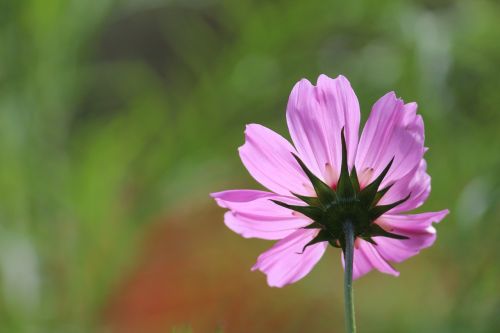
113,113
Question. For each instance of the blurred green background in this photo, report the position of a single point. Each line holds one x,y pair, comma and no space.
117,118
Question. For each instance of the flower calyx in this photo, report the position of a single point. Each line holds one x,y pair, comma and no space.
331,208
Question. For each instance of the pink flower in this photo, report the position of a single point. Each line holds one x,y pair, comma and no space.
331,174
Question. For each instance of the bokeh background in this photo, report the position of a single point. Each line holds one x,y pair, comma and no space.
117,118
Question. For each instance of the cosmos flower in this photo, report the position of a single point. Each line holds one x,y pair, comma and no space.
330,175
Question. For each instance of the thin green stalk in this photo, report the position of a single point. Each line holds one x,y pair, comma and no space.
350,323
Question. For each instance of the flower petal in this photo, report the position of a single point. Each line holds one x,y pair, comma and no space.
417,227
231,198
394,130
285,263
416,183
253,214
316,116
268,157
366,258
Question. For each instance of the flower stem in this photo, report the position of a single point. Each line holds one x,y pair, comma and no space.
350,323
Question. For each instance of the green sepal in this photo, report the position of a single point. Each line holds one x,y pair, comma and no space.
322,236
354,180
345,188
313,213
326,195
376,230
369,193
369,239
380,194
333,242
314,225
311,201
377,211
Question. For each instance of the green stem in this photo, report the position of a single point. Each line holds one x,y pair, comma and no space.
350,323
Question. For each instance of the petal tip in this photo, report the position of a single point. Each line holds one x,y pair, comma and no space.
412,105
441,215
392,95
301,83
343,79
249,127
215,195
220,202
325,79
394,273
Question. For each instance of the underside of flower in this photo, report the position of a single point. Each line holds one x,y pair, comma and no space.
332,208
333,185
